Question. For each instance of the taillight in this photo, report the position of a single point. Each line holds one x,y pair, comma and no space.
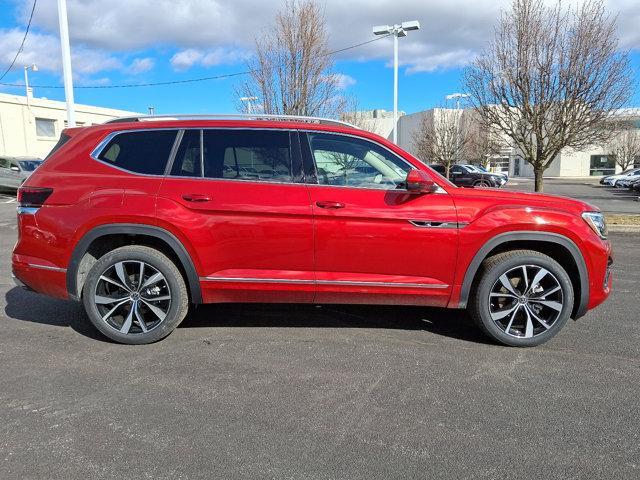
33,197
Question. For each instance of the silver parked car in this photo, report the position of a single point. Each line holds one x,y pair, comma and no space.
15,170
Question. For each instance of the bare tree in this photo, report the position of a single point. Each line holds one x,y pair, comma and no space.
483,141
624,145
363,119
291,72
441,137
551,78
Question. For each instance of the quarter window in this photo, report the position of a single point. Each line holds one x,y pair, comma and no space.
348,161
146,151
258,155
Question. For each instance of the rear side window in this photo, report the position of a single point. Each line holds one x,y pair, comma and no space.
258,155
188,161
146,151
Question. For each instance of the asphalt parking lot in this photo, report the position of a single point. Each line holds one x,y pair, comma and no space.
318,392
608,199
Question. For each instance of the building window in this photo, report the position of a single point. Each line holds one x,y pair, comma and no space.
602,165
45,127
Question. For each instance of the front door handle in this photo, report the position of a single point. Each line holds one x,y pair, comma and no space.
196,197
330,205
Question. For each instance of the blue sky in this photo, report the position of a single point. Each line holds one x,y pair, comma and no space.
128,41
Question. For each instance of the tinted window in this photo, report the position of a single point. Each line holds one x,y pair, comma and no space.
262,155
342,160
142,152
29,165
188,161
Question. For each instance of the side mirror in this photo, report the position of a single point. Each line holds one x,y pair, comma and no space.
14,168
419,182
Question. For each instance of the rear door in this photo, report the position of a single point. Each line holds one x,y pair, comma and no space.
375,242
238,199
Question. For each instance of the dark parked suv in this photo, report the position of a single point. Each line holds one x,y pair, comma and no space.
468,176
140,217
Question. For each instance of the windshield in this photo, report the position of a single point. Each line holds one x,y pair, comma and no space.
29,165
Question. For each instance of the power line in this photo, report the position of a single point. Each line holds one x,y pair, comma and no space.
26,32
189,80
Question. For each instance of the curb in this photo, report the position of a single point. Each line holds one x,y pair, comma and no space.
624,228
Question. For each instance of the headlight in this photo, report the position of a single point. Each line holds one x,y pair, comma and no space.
596,222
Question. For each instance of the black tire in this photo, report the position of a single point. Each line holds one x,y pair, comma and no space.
484,307
481,183
171,285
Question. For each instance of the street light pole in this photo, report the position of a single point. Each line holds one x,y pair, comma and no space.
248,100
66,62
397,30
33,67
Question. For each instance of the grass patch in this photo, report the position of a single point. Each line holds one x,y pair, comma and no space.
619,219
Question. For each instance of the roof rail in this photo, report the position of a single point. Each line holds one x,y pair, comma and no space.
233,116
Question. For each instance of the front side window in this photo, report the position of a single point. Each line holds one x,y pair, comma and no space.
354,162
145,151
45,127
258,155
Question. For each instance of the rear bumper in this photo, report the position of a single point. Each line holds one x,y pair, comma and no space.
39,275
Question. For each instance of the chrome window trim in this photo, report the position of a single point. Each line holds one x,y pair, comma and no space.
95,153
324,282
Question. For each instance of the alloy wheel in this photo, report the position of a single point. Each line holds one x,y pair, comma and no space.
526,301
132,297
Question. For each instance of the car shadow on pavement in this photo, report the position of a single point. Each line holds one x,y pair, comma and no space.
27,306
31,307
439,321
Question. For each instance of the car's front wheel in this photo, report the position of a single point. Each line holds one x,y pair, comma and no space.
522,298
135,295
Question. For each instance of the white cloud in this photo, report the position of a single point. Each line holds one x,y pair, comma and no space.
186,59
453,31
44,51
343,81
141,65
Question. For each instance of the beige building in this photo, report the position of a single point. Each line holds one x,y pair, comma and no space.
32,128
569,163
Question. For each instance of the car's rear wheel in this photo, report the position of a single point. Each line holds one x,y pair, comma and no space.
522,298
135,295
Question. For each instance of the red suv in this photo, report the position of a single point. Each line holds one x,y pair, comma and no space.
141,217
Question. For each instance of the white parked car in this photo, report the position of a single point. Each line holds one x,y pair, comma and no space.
632,173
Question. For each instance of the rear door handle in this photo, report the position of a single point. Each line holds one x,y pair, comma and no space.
196,197
330,205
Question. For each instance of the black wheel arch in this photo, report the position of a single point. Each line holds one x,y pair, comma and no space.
167,239
517,239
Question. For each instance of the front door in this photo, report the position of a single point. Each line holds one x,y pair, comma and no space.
375,242
238,197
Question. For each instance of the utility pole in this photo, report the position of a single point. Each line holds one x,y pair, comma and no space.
66,62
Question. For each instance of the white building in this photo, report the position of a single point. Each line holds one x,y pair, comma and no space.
32,128
569,163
